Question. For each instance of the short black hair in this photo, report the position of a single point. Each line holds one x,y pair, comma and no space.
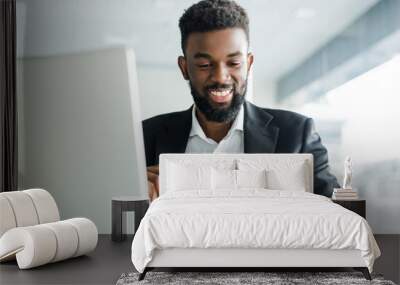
211,15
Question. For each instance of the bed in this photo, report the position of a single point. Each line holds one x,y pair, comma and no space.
247,210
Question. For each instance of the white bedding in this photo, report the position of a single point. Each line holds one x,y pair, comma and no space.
251,218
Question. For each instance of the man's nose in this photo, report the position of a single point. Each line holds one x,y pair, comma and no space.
221,74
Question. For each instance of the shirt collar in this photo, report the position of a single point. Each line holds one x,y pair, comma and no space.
198,131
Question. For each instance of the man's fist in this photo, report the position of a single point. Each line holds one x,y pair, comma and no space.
152,179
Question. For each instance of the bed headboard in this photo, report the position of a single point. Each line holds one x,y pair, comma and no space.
298,167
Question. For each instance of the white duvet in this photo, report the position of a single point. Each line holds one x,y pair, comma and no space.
250,219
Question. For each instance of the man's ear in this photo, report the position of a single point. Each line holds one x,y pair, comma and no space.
183,67
250,59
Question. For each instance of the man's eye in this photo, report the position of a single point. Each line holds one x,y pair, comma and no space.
235,63
206,65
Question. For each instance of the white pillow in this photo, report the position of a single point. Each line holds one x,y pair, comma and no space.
251,178
226,179
293,179
282,174
223,179
181,177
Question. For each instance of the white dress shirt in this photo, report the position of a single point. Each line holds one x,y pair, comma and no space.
232,143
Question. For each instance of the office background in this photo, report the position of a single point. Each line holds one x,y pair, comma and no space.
335,61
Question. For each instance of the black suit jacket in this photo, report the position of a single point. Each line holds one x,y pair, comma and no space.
265,131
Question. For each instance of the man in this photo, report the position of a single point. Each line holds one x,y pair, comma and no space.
216,63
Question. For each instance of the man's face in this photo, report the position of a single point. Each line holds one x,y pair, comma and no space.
216,64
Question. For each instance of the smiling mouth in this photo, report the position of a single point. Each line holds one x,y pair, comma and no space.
221,95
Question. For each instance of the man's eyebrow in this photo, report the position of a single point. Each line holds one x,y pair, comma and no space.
202,55
207,56
235,54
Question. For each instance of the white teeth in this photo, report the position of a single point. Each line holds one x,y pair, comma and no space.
221,93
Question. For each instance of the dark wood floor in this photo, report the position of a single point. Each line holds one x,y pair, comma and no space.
102,266
110,260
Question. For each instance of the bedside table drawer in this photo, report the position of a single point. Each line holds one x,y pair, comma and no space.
357,206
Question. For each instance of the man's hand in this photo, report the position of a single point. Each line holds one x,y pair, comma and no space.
152,179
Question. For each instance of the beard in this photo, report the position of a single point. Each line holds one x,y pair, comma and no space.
219,114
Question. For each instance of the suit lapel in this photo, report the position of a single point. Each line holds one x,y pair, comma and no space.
260,135
176,133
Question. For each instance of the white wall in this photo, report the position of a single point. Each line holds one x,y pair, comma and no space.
78,133
162,90
264,91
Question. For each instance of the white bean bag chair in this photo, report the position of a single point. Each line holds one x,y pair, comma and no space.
31,230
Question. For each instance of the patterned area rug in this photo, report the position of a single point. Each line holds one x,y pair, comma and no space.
269,278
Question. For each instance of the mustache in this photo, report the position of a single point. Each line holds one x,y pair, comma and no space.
220,86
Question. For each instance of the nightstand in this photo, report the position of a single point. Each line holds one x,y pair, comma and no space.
357,206
121,205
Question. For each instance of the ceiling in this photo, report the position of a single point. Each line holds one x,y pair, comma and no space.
283,33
